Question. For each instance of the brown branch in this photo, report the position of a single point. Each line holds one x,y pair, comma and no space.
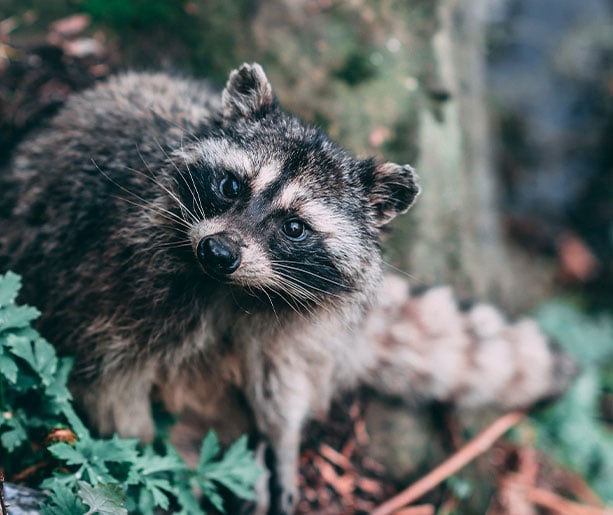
28,472
577,486
561,506
478,445
2,505
422,509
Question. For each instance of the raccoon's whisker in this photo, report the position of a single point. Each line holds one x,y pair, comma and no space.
300,294
285,264
288,301
403,272
296,292
195,194
147,204
182,206
151,177
332,294
272,304
178,172
164,213
237,303
191,193
173,245
197,202
297,289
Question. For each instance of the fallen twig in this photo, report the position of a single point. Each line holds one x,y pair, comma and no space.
3,509
28,472
422,509
478,445
577,486
560,505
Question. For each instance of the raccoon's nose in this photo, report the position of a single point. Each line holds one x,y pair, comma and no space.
219,254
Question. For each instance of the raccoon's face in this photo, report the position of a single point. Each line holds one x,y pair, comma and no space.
282,211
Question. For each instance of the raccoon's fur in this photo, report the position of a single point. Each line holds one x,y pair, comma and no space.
214,244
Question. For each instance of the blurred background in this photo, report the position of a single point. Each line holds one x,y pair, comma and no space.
505,107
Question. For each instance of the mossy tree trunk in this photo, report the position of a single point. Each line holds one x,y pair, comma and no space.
406,80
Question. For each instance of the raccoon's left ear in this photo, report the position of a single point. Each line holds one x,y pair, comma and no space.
247,93
392,189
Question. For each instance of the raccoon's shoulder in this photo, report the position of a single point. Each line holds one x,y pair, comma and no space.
138,103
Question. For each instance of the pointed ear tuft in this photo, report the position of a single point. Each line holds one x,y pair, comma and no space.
247,93
392,191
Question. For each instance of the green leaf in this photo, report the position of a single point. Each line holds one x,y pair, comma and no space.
150,465
116,449
588,338
159,497
16,317
10,284
209,450
104,498
152,471
143,504
237,471
571,431
462,488
75,423
67,453
211,493
39,354
16,435
8,368
57,388
64,479
62,501
188,501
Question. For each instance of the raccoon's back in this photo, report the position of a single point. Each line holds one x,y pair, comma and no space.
118,124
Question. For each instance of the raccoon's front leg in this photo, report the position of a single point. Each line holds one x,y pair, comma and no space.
281,401
119,403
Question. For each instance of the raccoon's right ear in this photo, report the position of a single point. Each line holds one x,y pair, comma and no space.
247,93
391,190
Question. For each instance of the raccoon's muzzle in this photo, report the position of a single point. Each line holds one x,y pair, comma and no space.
218,254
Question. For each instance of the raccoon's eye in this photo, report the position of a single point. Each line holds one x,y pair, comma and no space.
229,186
295,230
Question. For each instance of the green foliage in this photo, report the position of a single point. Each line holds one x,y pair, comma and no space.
572,430
122,14
233,472
357,68
86,474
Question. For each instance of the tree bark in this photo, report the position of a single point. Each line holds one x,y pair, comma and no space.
407,81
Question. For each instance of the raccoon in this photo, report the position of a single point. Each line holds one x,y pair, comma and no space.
214,244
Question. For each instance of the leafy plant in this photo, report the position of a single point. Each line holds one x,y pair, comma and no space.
572,430
41,431
122,14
